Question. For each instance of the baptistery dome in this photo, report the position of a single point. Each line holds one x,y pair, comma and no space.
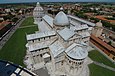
61,19
38,8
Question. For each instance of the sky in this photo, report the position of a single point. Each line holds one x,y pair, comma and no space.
20,1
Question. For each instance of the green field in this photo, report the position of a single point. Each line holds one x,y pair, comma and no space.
14,50
96,70
28,21
112,6
97,56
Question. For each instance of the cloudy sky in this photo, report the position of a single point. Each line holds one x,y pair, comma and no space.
18,1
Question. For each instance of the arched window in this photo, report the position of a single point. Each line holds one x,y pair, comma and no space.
40,55
69,61
62,62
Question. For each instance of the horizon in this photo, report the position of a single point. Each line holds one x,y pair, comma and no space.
32,1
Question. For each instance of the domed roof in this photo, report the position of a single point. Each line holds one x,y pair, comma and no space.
38,3
61,19
38,7
76,51
99,24
61,9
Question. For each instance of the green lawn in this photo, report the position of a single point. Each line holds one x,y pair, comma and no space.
14,50
97,56
28,21
96,70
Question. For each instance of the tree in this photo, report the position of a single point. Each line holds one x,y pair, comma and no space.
109,43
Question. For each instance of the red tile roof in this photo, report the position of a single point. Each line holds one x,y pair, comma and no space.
3,24
103,43
102,18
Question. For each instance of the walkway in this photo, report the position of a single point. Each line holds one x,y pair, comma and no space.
27,26
103,65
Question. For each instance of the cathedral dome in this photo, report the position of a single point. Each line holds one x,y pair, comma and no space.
61,19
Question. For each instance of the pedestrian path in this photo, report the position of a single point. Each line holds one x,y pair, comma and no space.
103,65
27,26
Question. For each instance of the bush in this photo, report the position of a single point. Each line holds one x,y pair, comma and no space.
109,43
14,19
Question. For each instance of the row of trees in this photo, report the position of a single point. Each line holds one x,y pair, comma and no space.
9,16
53,12
5,29
81,15
105,23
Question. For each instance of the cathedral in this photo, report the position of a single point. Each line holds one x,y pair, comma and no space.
60,45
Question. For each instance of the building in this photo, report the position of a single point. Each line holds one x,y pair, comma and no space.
10,69
105,48
101,39
98,29
38,13
60,45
